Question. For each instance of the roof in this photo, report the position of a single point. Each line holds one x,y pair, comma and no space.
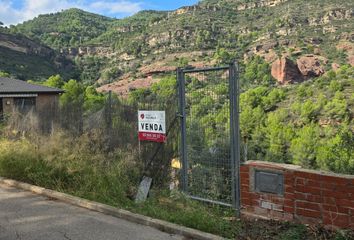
10,86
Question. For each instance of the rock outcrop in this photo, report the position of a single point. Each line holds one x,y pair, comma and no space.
311,66
308,66
261,3
285,71
348,47
335,66
236,7
86,50
334,14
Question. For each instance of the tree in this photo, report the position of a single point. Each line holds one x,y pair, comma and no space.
279,136
74,93
93,100
4,74
165,89
257,72
250,118
253,97
336,153
222,56
72,106
54,81
309,111
304,146
337,109
274,96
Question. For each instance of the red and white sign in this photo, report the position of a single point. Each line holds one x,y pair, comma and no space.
152,126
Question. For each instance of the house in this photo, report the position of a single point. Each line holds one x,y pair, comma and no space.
17,95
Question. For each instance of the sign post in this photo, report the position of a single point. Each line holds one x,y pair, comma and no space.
152,126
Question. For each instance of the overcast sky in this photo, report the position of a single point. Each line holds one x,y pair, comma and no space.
17,11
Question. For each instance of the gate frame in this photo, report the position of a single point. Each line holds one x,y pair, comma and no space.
234,93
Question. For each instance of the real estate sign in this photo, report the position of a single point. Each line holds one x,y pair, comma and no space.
152,126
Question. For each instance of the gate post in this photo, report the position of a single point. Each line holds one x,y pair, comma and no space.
235,136
182,115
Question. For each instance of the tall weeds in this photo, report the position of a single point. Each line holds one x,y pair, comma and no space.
73,165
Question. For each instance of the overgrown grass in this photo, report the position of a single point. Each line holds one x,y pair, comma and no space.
175,207
78,167
72,166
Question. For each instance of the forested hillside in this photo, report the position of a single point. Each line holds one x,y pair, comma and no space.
70,28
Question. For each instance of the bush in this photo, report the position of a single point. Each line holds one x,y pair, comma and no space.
335,86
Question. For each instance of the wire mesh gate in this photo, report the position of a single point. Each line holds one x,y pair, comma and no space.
208,101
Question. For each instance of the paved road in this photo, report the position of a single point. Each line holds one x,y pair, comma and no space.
26,216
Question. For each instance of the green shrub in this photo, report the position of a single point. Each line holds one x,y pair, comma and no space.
335,86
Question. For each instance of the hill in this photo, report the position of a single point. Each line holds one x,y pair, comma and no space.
208,33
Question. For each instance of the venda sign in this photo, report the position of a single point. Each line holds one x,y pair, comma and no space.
152,126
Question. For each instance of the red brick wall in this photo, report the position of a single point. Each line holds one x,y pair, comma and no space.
312,197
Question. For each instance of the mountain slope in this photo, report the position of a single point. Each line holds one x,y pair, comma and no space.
158,40
26,59
71,27
201,26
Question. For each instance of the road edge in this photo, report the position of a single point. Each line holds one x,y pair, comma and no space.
112,211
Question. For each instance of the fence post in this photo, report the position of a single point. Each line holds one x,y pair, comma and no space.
182,115
109,120
109,113
235,135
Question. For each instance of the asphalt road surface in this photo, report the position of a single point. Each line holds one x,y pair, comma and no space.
27,216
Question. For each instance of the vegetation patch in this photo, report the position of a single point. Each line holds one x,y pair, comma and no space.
74,166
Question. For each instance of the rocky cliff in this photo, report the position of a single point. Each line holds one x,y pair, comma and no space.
285,71
306,67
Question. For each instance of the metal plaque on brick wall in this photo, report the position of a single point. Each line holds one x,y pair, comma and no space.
269,182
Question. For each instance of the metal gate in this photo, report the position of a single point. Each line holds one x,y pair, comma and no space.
208,105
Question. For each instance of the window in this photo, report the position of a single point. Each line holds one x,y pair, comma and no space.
24,105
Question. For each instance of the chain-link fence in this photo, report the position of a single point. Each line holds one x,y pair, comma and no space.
111,125
207,130
208,105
